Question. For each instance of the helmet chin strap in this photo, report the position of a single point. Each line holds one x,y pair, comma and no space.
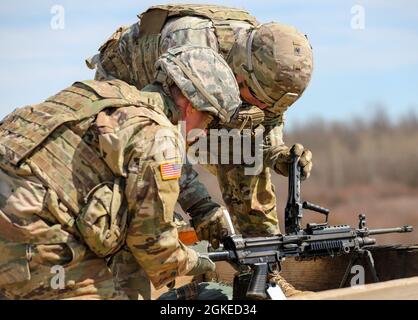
286,98
162,78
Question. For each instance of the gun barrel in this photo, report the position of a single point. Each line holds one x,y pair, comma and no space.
391,230
219,256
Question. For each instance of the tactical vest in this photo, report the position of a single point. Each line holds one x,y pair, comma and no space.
42,137
154,19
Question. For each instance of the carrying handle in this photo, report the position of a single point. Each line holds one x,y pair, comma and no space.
314,207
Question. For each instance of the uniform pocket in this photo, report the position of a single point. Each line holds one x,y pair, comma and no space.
102,222
14,265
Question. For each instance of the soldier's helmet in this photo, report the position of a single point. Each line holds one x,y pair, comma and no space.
276,62
203,77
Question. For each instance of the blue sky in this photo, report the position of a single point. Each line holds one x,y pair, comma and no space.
354,70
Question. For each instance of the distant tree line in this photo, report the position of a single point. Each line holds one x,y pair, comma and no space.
358,151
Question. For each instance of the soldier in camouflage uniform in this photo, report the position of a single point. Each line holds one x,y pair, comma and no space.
94,170
272,63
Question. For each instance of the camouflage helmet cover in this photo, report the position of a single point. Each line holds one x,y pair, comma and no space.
276,62
203,77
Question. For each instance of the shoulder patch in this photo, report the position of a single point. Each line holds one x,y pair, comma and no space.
170,170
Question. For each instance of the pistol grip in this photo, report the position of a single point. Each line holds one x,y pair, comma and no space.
257,288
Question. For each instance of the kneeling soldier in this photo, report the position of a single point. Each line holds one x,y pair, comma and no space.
95,169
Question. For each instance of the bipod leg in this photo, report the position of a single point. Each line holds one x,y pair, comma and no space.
370,264
353,259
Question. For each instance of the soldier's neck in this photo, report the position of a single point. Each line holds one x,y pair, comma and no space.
169,109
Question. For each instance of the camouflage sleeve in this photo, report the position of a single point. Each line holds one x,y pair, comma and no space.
273,144
194,197
152,191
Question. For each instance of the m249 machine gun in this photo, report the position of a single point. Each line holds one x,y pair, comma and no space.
263,255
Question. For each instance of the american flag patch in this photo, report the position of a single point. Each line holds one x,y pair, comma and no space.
170,170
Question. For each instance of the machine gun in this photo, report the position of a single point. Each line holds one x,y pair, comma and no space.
264,254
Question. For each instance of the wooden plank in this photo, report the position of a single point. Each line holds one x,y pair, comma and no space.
401,289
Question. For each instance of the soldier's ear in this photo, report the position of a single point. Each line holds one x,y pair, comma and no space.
189,109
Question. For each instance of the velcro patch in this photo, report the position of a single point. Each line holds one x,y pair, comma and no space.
170,170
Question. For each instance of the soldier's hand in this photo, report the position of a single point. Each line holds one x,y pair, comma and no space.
203,265
284,158
50,254
211,227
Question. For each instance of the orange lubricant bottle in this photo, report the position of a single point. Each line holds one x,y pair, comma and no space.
188,236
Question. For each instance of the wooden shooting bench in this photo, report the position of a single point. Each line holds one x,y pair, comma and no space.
391,262
401,289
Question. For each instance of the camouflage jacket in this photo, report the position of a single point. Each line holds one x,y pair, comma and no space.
98,155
